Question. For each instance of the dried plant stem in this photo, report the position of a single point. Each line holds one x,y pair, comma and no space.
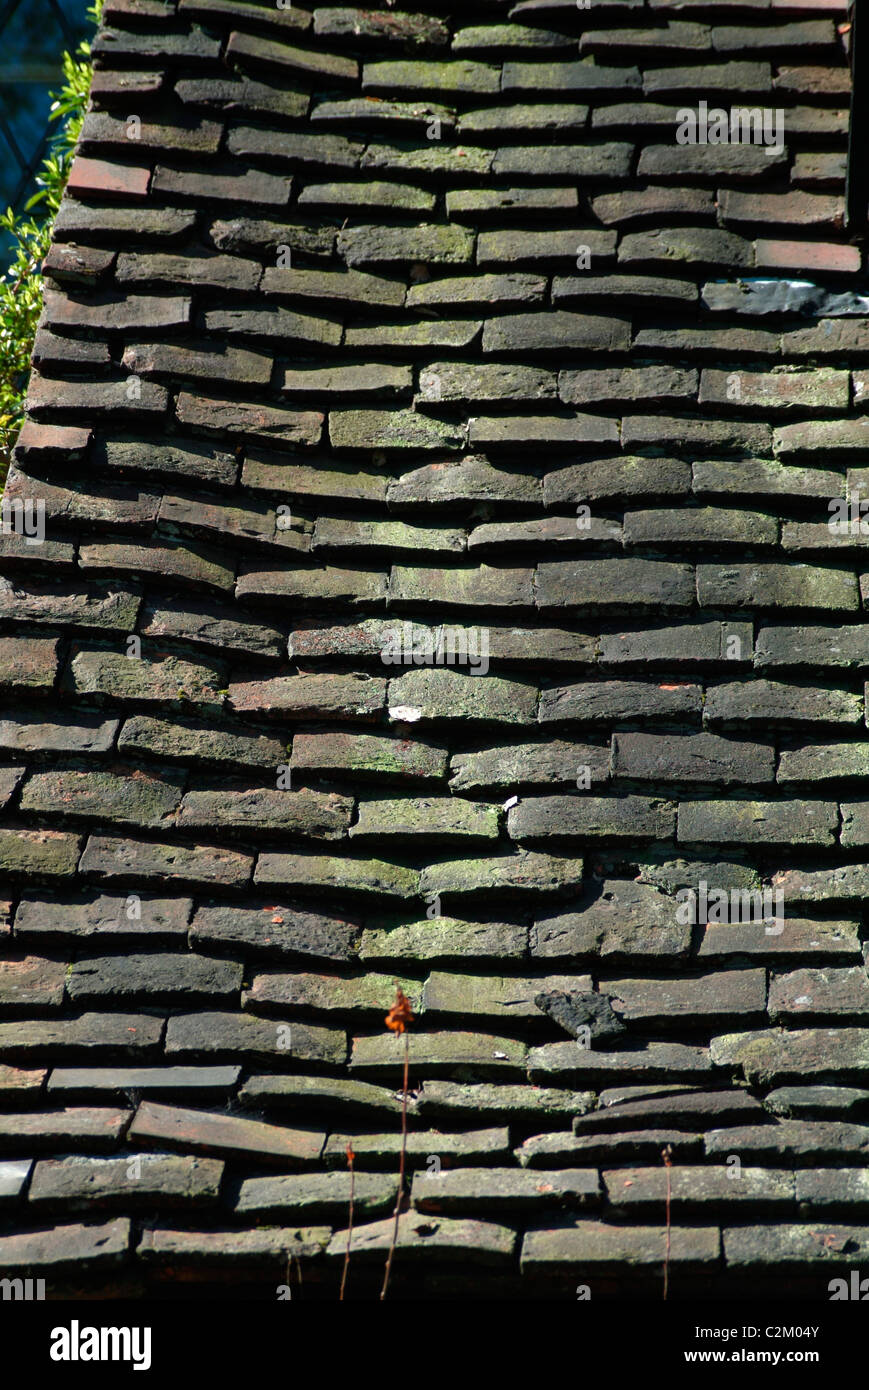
293,1262
666,1154
349,1225
401,1163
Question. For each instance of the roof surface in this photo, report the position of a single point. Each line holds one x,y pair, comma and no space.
438,585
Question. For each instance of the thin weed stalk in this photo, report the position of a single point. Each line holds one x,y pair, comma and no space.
667,1155
397,1019
350,1157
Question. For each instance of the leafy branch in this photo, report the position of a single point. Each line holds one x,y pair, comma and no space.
30,231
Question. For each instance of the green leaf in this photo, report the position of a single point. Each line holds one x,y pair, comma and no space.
21,282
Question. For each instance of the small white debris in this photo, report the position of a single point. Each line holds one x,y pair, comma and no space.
405,714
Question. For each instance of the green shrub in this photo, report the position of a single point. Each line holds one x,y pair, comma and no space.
21,286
